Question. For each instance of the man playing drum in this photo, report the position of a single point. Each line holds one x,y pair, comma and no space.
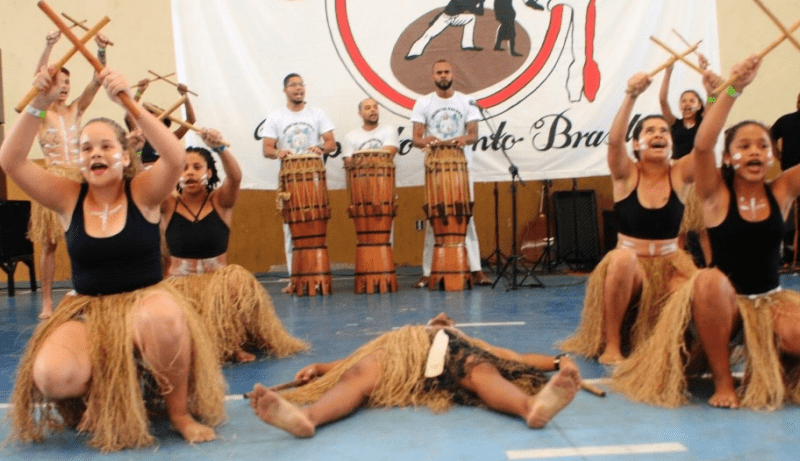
296,129
447,117
370,135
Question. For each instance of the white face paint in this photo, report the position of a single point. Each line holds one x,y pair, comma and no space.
182,182
117,165
204,180
736,157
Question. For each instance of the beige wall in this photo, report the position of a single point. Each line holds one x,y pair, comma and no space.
143,40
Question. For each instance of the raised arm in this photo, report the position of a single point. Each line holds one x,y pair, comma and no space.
53,191
709,183
663,96
619,163
51,40
228,192
86,98
190,118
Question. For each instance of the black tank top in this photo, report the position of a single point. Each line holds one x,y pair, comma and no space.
126,261
683,138
636,221
201,239
749,252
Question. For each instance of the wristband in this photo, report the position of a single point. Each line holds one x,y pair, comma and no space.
139,154
138,94
732,92
36,112
219,149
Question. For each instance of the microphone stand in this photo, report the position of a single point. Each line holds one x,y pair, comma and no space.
514,260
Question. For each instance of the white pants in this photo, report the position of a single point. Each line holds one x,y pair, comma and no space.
287,247
467,20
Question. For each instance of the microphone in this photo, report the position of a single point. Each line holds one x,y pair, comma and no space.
473,102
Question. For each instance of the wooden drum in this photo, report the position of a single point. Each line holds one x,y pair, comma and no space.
448,209
370,180
303,201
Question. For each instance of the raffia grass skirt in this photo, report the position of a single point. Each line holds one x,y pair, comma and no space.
45,227
692,213
114,406
656,372
588,340
238,311
402,382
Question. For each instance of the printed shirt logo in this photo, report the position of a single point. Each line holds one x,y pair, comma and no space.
372,143
446,123
507,51
298,136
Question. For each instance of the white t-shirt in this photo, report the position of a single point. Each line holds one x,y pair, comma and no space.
296,131
358,139
446,118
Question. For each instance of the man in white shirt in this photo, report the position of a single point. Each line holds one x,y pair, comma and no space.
296,129
370,135
448,117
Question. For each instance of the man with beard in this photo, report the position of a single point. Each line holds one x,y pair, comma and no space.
370,135
296,129
448,117
58,138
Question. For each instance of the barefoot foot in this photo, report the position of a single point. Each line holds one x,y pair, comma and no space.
47,310
243,357
191,430
556,394
724,399
275,411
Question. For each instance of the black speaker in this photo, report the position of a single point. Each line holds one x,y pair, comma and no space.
577,240
14,218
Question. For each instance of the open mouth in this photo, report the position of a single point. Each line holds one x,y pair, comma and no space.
659,144
98,168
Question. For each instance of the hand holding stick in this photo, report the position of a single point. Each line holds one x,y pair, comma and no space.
80,24
151,80
173,107
155,110
60,63
126,100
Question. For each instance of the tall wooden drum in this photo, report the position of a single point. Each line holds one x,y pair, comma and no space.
449,210
303,201
370,180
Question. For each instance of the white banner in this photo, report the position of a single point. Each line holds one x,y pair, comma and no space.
549,108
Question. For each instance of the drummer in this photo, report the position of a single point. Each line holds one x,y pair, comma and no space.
370,135
296,129
448,117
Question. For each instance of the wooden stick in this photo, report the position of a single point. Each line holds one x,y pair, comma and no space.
282,387
173,107
60,63
80,24
683,60
672,59
157,111
591,388
778,23
681,37
129,104
151,80
159,77
761,55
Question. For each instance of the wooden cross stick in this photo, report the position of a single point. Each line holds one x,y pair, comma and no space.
160,77
173,107
778,23
79,24
151,80
60,63
672,59
761,55
686,42
683,60
126,100
157,111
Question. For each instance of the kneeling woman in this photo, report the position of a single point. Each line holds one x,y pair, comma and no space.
89,359
741,296
197,220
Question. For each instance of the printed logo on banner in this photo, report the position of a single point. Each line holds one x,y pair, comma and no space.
501,55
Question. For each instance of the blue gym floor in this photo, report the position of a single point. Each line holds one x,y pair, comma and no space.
527,319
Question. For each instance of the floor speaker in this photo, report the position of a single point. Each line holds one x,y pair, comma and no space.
14,244
577,240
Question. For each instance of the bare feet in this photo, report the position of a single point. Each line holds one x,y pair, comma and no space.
47,309
609,357
288,288
725,399
243,357
556,394
191,430
275,411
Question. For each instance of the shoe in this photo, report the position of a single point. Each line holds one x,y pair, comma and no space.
422,282
288,288
479,278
